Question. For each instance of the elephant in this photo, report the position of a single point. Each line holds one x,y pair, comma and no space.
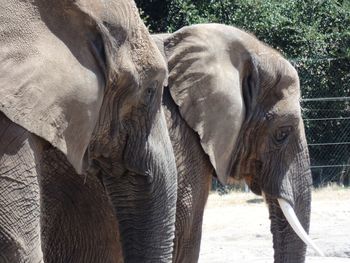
233,112
81,83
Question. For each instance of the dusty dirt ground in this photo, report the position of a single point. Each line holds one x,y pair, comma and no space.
237,229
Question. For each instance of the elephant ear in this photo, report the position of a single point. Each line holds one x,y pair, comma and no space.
205,81
51,72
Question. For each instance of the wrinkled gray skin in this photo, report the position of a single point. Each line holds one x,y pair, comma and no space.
232,108
81,88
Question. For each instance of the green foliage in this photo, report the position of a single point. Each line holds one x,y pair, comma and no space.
313,34
154,14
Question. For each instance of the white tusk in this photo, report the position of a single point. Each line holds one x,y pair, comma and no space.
293,221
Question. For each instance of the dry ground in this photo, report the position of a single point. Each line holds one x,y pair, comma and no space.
236,228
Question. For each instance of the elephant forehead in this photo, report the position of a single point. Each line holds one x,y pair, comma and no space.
141,56
288,109
146,57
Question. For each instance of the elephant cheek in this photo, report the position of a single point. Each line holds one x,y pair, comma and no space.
287,180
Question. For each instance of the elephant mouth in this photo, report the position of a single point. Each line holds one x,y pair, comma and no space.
249,171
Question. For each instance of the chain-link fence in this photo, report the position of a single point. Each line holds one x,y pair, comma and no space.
325,84
327,126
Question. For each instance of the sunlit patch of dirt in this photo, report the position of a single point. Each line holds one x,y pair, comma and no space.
237,228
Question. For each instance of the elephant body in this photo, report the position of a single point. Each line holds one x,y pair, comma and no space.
232,108
78,223
68,205
81,88
20,202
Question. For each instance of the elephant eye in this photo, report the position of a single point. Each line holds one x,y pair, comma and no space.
283,133
150,91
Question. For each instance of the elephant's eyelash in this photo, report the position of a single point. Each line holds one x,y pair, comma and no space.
269,116
283,133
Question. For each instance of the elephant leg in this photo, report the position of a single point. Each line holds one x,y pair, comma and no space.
19,194
194,180
192,195
78,222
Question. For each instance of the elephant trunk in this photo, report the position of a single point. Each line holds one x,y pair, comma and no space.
293,221
288,247
144,196
295,191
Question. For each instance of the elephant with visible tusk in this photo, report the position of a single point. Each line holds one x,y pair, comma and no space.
232,108
81,84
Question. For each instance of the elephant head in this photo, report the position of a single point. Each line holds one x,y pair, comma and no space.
242,98
87,77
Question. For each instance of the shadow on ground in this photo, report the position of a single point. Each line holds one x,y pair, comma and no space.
255,201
